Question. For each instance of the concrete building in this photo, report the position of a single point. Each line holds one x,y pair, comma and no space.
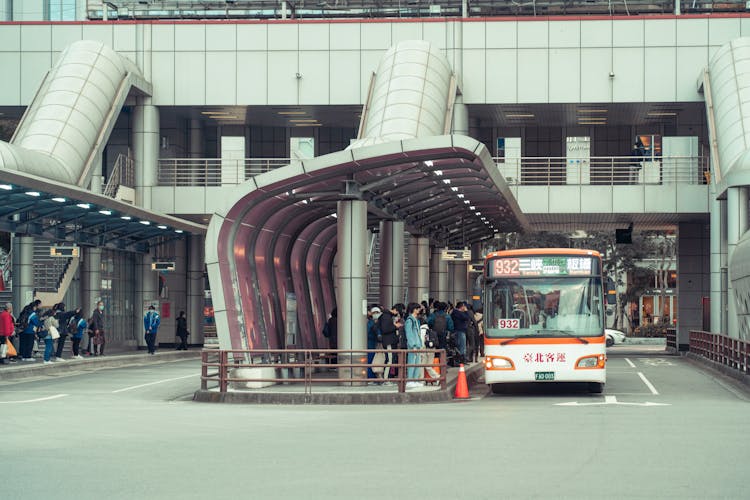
547,108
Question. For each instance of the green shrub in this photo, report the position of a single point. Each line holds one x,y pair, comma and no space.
651,331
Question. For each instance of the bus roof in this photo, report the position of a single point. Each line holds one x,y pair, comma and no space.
542,251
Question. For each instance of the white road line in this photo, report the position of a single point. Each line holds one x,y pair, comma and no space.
154,383
648,384
56,396
630,363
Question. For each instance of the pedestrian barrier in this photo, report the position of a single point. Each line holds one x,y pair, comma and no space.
258,368
727,351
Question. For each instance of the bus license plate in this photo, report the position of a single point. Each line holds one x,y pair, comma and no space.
544,375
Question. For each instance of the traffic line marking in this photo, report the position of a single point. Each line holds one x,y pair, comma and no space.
632,365
56,396
153,383
611,400
648,384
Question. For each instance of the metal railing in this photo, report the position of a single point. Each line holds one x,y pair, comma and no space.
604,170
123,174
726,351
304,366
213,171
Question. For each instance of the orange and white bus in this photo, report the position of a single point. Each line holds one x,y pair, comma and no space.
544,317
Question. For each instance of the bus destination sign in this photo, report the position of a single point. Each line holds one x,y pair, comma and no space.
541,266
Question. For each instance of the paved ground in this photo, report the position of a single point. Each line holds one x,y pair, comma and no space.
133,432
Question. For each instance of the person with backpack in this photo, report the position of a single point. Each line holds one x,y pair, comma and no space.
441,323
63,318
461,318
151,322
388,325
413,343
182,331
80,325
330,331
50,332
7,329
29,325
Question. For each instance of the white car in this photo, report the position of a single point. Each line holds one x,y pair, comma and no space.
614,337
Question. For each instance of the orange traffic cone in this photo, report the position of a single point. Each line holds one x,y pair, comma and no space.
462,388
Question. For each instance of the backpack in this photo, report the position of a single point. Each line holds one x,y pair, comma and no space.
386,325
22,321
440,325
73,325
326,330
431,339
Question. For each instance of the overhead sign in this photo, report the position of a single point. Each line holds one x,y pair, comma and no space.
462,254
64,251
476,267
162,266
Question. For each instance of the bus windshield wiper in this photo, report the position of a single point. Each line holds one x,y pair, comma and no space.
570,334
513,339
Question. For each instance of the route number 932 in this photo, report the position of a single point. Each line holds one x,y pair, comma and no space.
509,324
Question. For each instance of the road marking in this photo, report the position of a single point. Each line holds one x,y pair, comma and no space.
154,383
632,365
611,400
655,362
648,384
56,396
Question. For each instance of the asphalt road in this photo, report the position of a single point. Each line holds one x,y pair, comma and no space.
664,428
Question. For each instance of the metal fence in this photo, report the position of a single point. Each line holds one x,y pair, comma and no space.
604,170
309,367
213,171
726,351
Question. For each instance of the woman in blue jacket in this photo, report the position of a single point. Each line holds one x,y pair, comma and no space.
413,341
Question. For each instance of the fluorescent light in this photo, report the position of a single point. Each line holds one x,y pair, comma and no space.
178,231
446,181
467,202
161,226
83,205
126,217
303,120
59,199
438,172
33,193
661,113
6,187
428,163
292,112
520,115
308,124
105,212
145,222
460,195
454,188
478,213
585,110
472,207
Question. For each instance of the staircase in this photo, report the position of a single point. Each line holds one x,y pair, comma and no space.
373,270
52,275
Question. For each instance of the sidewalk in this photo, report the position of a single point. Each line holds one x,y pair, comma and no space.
322,393
116,358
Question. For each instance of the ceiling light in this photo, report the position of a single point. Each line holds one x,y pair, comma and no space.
584,110
520,115
59,199
215,113
467,202
438,172
308,124
105,212
6,187
446,181
472,207
145,222
33,193
178,231
126,217
428,163
460,195
305,120
661,113
478,213
83,205
161,226
292,112
454,188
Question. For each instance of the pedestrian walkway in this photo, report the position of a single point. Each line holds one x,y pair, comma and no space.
114,358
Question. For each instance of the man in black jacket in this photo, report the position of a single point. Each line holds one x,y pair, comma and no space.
461,318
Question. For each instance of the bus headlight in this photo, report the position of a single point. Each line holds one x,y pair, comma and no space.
591,362
498,363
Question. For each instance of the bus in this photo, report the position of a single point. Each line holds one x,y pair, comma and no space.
544,317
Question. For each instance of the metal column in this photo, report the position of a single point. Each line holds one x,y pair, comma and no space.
459,280
91,280
438,276
146,148
146,292
419,269
352,284
718,264
195,289
23,272
391,263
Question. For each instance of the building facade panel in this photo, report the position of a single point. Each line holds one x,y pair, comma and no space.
162,37
474,64
692,32
628,33
100,32
125,37
660,32
596,85
163,77
502,77
252,36
34,65
533,34
283,84
723,30
375,36
690,62
314,85
565,75
252,77
221,78
596,34
10,84
189,37
36,37
189,67
660,76
220,37
502,35
65,34
533,75
314,36
565,34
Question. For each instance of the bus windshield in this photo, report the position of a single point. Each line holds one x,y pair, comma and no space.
548,307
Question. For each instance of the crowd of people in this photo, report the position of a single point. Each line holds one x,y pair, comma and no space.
428,325
35,329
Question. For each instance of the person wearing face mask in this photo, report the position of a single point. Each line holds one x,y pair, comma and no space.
96,330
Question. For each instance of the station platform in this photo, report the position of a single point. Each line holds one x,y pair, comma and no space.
335,394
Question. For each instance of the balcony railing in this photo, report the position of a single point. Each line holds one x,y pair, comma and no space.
604,170
525,171
213,171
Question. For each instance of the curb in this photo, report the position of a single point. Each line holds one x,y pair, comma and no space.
473,373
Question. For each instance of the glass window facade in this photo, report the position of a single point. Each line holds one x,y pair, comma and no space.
118,294
61,10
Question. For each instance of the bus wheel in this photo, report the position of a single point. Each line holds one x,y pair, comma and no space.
497,388
596,387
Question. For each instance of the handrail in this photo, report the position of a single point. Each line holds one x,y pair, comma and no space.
726,351
603,170
308,360
179,172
